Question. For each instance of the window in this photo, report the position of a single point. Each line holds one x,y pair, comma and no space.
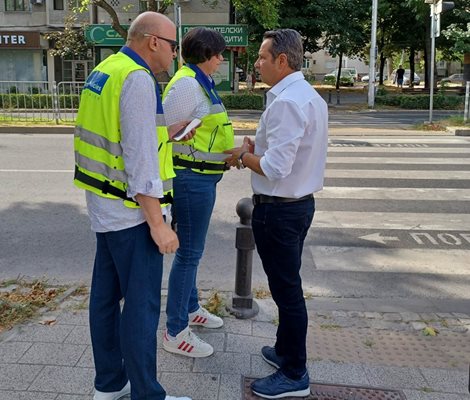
143,6
16,5
58,4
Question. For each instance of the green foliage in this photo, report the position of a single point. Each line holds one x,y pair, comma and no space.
37,101
460,38
421,102
242,101
329,80
69,42
381,91
264,12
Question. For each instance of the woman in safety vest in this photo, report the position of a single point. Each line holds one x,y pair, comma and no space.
199,165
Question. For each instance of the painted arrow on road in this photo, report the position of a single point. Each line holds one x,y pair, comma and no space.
377,237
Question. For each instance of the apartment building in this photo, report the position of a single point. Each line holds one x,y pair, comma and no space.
24,52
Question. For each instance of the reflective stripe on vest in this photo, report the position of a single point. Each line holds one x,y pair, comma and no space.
98,153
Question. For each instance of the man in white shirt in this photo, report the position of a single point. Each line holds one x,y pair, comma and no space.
287,160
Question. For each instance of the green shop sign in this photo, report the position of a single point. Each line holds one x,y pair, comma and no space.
234,35
105,35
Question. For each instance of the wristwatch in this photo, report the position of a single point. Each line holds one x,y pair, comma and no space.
240,160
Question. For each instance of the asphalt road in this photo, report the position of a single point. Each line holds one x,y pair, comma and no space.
384,119
390,222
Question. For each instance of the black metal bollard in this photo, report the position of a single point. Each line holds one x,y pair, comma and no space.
243,305
329,96
337,96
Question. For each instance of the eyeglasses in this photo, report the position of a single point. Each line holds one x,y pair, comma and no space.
173,43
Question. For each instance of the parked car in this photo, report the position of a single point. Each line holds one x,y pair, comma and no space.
453,79
406,78
346,79
365,78
351,71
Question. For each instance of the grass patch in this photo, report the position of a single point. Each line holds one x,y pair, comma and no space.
215,304
331,327
442,124
427,389
24,300
261,293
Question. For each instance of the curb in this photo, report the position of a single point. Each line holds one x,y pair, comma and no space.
70,130
459,131
36,129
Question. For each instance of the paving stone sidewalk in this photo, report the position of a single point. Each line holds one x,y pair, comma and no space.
50,358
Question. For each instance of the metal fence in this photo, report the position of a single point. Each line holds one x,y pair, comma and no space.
41,101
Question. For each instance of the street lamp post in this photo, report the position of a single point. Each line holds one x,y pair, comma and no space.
373,45
432,3
177,13
437,7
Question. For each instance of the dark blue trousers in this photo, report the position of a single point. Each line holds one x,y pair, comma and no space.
280,230
127,266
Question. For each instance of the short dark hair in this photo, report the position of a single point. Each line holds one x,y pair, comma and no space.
201,44
289,42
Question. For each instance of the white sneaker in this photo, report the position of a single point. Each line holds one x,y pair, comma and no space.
176,398
204,318
187,344
112,395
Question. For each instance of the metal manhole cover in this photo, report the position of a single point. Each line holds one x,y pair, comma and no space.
335,392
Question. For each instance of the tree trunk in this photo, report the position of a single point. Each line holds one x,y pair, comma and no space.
412,66
339,70
427,56
382,67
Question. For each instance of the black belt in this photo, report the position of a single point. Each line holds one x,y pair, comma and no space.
200,165
262,198
106,187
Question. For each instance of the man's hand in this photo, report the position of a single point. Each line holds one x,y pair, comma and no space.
165,238
248,145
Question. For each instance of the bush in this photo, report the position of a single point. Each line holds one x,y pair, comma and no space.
329,80
242,101
381,91
37,101
420,102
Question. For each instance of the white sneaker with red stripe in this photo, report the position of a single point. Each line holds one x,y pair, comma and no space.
204,318
187,344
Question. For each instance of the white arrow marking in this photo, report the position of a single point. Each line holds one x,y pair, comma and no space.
376,237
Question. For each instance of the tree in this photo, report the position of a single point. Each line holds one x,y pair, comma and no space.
458,33
152,5
345,34
71,41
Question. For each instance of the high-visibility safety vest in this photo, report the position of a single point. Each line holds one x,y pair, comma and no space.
205,151
99,165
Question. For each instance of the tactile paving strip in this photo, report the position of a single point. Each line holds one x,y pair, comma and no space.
410,349
335,392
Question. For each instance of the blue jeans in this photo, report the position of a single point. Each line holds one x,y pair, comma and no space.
279,230
127,265
194,199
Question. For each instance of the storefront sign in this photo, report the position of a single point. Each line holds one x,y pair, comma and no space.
234,35
105,35
20,40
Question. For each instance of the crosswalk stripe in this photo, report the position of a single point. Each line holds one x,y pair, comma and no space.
426,226
332,192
